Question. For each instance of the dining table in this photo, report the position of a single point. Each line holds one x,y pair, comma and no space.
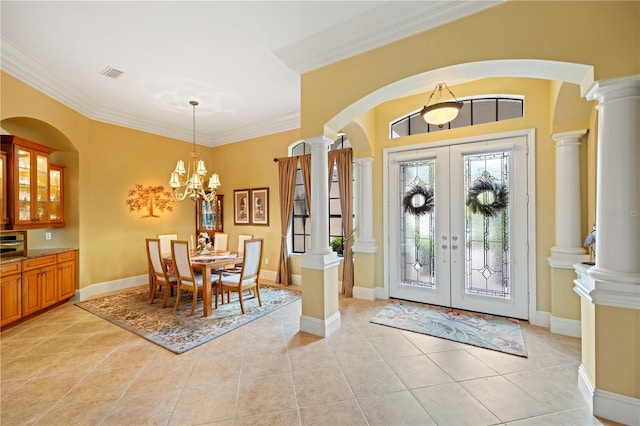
206,263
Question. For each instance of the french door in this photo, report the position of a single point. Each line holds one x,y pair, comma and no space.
458,226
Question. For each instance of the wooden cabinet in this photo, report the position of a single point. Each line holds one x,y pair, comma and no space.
209,216
39,288
4,217
66,278
30,285
29,201
10,292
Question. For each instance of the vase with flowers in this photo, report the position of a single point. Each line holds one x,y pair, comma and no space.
204,244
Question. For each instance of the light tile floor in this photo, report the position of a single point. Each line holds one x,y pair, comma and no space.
69,367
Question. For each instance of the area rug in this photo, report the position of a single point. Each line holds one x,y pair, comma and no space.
485,331
177,331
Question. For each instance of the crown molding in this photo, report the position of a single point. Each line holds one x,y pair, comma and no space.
24,68
341,41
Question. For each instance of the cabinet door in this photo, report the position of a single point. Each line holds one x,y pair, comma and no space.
48,286
23,205
31,291
209,216
56,195
66,279
32,203
4,214
10,299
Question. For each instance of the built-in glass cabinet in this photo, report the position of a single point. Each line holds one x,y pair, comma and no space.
209,215
34,188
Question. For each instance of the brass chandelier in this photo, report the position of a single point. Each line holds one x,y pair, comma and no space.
189,182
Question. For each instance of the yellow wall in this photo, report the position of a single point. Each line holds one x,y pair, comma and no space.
618,350
512,30
249,164
565,303
105,161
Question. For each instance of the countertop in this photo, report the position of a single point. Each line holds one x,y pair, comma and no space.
33,253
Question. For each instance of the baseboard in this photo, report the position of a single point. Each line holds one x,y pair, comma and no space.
585,386
109,286
608,405
364,293
268,275
541,319
381,293
566,327
296,279
318,327
619,408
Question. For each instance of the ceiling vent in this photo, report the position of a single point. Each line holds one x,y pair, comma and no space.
111,72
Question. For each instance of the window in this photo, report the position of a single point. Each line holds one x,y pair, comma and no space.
474,111
301,223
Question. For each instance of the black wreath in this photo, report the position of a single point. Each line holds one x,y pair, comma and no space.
500,197
425,207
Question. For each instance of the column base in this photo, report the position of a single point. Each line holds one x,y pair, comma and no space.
614,288
566,257
318,327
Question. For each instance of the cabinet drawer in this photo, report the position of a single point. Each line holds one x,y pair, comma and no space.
39,262
67,255
10,268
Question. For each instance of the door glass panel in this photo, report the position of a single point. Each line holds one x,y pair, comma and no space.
487,249
54,195
42,185
417,227
24,185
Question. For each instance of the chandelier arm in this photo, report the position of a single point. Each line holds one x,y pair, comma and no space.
450,92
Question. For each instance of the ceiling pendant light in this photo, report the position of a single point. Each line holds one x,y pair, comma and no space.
441,113
189,182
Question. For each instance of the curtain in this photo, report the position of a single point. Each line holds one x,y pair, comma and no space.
305,166
287,167
344,165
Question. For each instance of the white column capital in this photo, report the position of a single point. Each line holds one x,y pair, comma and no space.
364,162
569,138
610,90
319,141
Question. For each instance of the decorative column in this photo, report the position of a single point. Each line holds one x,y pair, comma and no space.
568,249
365,243
320,310
609,375
364,248
320,195
618,192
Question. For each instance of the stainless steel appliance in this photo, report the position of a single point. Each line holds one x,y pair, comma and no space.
13,243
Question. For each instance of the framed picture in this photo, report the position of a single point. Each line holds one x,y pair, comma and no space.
260,206
241,207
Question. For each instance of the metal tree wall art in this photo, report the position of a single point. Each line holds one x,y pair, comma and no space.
150,199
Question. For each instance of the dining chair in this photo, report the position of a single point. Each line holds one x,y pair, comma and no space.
220,241
238,266
186,279
158,274
248,277
165,243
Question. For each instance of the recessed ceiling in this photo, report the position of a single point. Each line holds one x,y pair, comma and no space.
138,64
